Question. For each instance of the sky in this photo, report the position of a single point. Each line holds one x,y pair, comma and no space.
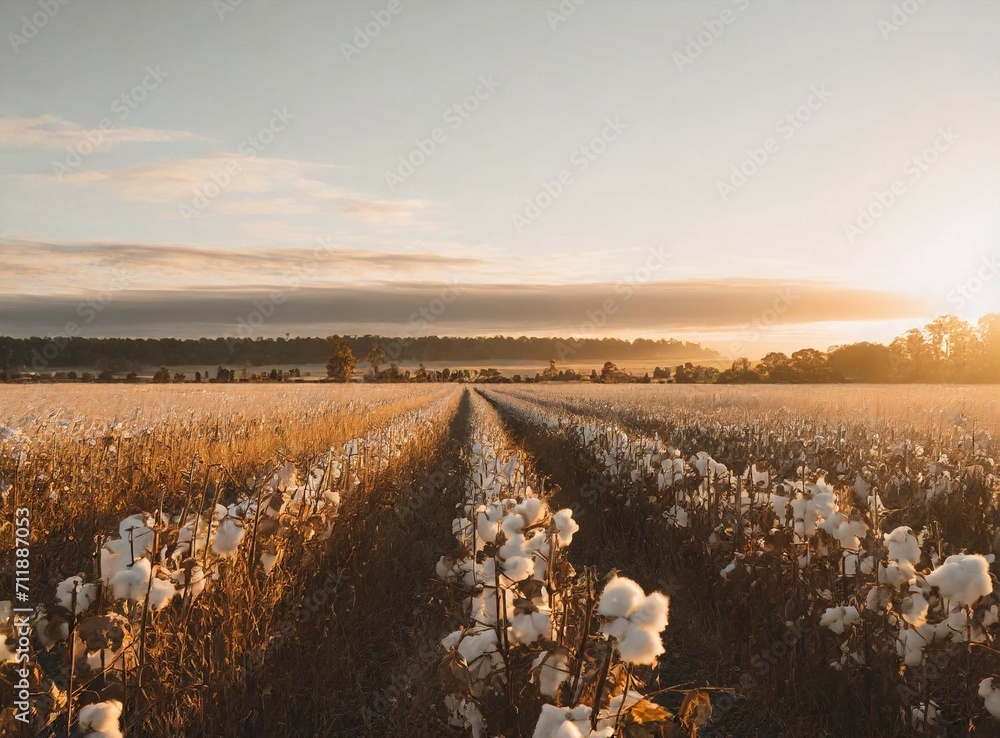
753,174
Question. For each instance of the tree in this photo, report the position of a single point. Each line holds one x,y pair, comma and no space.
375,357
340,367
551,373
864,362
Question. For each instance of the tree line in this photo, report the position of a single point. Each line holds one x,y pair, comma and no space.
38,354
948,349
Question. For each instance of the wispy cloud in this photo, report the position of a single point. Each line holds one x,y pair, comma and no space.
254,185
50,132
47,268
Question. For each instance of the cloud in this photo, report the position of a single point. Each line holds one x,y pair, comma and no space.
53,133
43,267
380,211
232,183
395,308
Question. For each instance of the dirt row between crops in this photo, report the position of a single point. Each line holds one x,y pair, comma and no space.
365,641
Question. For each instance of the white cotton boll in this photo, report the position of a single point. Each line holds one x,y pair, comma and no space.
878,598
620,704
566,527
729,568
616,628
461,528
532,510
161,593
911,643
197,583
838,619
553,671
825,501
285,478
852,564
954,627
141,534
488,526
897,574
991,697
780,505
640,646
100,720
227,537
914,609
652,614
620,597
268,560
516,545
569,730
131,583
480,653
805,516
519,568
115,557
990,617
925,715
962,578
85,597
902,545
676,517
526,628
549,721
512,525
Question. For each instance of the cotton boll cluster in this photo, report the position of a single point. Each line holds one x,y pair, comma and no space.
85,594
962,578
839,619
550,670
464,713
637,620
902,545
991,696
100,720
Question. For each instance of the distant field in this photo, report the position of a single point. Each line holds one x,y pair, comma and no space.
506,367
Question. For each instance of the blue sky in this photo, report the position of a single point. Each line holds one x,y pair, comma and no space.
572,153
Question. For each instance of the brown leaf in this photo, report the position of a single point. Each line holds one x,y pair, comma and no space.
696,709
645,711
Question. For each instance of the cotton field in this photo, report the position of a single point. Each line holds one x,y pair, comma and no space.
550,560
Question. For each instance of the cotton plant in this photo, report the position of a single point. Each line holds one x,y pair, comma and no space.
508,571
155,560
